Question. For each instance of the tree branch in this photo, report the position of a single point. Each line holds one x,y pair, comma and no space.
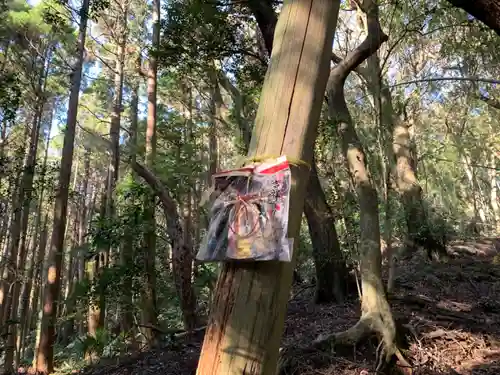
486,11
266,19
169,205
437,79
374,39
154,182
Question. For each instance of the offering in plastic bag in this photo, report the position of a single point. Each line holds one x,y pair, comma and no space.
249,217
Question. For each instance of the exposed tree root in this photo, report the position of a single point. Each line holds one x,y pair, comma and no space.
369,324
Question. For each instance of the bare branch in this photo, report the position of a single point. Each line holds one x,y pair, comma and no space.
437,79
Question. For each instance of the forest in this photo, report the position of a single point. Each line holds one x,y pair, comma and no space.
117,116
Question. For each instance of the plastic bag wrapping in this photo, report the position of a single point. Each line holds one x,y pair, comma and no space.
249,216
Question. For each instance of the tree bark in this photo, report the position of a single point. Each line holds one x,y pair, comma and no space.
126,314
184,275
149,293
114,129
243,126
487,11
25,298
266,19
82,222
215,115
494,193
18,248
401,155
249,304
35,313
375,310
327,255
331,271
127,254
176,237
45,351
9,273
95,313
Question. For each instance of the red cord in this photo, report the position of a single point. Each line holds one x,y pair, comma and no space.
242,201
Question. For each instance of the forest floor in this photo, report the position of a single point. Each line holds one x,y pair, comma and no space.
451,310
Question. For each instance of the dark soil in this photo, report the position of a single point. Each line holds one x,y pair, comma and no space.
450,311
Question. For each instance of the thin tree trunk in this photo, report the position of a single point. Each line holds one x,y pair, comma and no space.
5,202
494,193
470,172
6,223
45,350
150,317
401,154
243,126
249,304
114,130
95,308
66,329
215,115
176,237
35,319
9,273
19,229
186,272
127,254
82,222
25,299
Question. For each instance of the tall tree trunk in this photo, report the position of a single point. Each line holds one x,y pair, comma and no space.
36,311
149,296
248,310
25,298
376,314
127,254
331,271
45,350
326,246
95,314
493,172
114,129
9,273
67,329
183,269
82,222
4,202
401,156
19,229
